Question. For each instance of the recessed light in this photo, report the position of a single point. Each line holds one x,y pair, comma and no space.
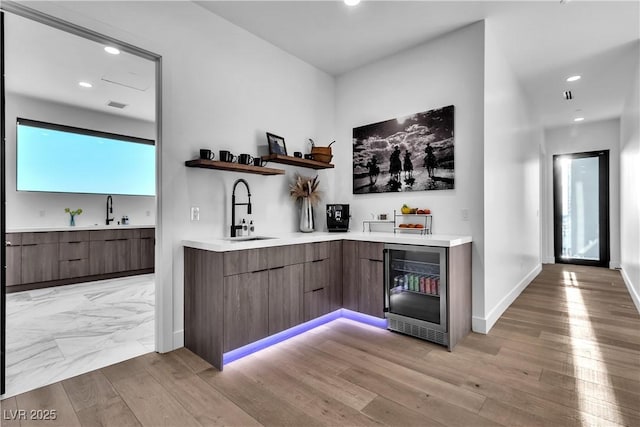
351,2
85,84
573,78
578,119
112,50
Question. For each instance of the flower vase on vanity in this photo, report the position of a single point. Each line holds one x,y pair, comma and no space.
72,216
306,190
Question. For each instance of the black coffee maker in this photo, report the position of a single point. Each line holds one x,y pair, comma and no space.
337,217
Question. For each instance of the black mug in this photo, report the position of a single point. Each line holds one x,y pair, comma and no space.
245,159
297,154
206,154
257,161
227,156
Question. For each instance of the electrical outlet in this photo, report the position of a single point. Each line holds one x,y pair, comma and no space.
148,213
465,214
195,213
42,213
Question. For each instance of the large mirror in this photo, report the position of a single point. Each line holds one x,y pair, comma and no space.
80,117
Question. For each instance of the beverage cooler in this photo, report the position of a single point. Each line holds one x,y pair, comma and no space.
416,291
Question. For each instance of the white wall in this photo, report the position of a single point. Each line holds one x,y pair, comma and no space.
577,138
630,189
445,71
223,88
27,209
511,187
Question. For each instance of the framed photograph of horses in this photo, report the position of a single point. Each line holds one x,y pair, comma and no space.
412,153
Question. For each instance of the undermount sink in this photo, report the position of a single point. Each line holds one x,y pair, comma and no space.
248,238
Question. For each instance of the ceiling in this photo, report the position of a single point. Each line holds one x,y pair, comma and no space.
544,41
47,63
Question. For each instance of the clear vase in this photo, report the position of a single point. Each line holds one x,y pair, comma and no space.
72,221
307,224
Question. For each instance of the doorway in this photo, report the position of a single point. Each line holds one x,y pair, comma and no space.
581,208
105,296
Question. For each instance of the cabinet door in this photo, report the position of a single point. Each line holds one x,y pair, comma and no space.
147,252
335,275
371,296
109,256
39,262
316,275
14,265
246,307
285,297
74,268
350,278
316,303
371,250
135,262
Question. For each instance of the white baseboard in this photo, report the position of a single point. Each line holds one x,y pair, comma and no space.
178,339
634,295
549,260
483,325
615,265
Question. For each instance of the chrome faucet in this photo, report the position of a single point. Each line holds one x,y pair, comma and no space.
235,227
109,209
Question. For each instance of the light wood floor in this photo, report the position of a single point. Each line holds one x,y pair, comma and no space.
566,353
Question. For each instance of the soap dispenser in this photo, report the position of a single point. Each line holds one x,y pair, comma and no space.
245,228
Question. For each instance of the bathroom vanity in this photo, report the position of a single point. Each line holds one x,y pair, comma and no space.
40,258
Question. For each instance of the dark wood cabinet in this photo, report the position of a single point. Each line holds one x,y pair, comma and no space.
39,261
285,297
147,248
109,256
14,259
371,287
246,317
316,303
335,276
350,275
238,262
73,268
363,277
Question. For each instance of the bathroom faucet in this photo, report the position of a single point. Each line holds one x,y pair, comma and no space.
235,227
109,208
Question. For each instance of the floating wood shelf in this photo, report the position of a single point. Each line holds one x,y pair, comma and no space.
296,161
234,167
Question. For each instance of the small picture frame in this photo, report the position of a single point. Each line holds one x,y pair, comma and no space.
276,144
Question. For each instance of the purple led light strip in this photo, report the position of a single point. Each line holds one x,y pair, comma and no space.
248,349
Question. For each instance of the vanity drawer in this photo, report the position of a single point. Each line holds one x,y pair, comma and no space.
114,234
73,250
74,268
245,261
39,238
316,251
74,236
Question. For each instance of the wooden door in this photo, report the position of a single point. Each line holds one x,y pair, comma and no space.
147,252
246,308
109,256
14,265
285,297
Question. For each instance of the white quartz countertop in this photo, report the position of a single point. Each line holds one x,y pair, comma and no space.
76,228
225,245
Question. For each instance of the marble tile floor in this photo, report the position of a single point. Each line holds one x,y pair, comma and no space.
58,333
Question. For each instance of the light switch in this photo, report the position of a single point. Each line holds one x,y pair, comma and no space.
465,214
195,213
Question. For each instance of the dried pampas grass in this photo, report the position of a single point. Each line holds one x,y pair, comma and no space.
305,186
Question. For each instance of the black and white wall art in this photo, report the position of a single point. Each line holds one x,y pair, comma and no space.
412,153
